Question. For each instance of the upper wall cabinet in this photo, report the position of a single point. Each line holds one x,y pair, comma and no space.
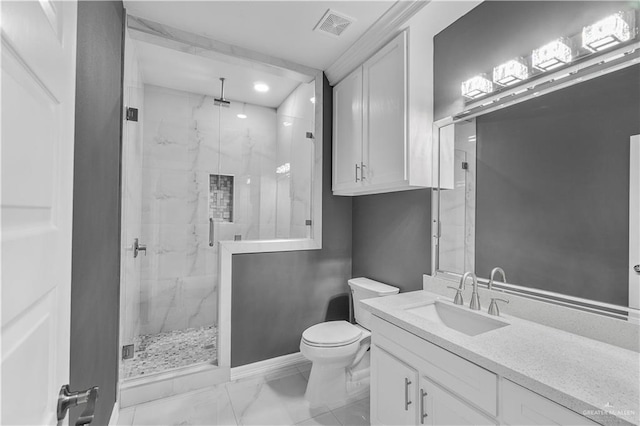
372,148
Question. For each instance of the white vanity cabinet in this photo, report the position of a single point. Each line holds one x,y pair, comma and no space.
520,406
372,150
414,382
433,388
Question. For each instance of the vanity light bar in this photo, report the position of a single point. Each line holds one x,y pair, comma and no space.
608,32
552,55
476,87
510,72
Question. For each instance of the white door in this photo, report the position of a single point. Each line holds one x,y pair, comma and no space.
38,101
393,390
347,132
634,227
384,81
439,407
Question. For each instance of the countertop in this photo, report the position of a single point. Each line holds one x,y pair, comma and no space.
597,380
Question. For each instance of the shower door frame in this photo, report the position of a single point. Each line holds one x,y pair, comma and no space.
140,389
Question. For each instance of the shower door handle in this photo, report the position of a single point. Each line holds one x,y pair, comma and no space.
211,231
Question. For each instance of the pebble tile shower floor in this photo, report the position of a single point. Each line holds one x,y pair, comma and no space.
164,351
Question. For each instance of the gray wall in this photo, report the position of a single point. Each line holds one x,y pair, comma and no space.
276,296
553,188
497,31
492,33
96,204
391,240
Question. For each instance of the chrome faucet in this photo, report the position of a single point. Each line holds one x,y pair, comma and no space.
458,300
475,300
493,273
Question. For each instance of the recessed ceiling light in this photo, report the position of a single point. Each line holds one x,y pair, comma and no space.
260,87
241,116
313,100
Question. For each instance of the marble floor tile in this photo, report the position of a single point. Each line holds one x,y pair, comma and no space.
275,399
327,419
355,414
210,406
125,416
276,402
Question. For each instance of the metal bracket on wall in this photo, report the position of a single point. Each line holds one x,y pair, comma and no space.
132,114
127,351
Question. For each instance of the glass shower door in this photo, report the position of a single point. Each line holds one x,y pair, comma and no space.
173,306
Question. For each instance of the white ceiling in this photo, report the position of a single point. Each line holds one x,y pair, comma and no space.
170,68
282,29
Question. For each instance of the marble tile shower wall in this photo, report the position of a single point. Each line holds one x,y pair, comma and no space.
183,134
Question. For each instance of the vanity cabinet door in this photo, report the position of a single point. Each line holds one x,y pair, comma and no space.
393,390
437,407
384,81
347,133
520,406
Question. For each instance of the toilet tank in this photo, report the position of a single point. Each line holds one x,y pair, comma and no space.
364,288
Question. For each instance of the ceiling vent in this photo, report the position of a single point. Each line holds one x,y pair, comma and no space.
333,23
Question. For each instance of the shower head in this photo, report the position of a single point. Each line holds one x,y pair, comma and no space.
221,101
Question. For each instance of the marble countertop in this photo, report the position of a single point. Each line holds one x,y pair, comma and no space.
594,379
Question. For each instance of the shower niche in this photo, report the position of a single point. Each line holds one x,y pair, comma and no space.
221,198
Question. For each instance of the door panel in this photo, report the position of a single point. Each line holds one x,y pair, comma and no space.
385,95
347,136
442,408
38,91
393,383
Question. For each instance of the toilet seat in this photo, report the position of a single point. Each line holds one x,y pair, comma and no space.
331,334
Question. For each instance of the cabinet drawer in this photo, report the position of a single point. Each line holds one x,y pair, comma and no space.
520,406
464,378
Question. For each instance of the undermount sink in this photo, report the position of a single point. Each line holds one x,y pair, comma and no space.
457,318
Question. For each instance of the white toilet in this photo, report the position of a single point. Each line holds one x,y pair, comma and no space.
338,349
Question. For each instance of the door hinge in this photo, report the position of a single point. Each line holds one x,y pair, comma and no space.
132,114
465,165
127,352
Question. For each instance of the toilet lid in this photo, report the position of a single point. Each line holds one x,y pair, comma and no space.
333,333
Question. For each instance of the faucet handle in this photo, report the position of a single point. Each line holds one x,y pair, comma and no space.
493,306
458,299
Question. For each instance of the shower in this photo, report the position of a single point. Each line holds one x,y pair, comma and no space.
221,101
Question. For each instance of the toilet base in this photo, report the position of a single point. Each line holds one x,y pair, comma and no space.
329,385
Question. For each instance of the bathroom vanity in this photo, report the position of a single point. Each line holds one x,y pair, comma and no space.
436,363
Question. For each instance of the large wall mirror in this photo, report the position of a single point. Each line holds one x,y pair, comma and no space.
548,189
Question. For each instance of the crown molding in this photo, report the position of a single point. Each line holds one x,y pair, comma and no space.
380,32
